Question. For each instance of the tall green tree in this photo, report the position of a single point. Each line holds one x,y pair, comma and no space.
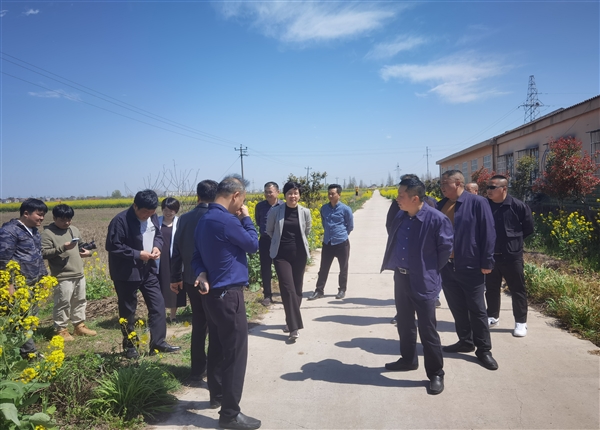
524,177
311,188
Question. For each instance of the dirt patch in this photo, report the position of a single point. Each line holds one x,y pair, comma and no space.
541,259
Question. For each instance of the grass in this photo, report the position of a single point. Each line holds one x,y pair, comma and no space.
572,298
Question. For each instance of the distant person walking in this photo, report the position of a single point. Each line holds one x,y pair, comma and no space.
182,274
338,223
472,188
134,243
418,246
463,278
168,228
60,247
261,210
223,237
289,226
513,222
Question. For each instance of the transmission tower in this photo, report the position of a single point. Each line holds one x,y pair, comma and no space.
532,105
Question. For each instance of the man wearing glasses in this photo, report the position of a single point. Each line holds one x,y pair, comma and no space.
514,222
463,278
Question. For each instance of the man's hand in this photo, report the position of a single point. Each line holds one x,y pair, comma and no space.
155,253
70,245
145,256
176,286
202,283
486,271
243,212
83,253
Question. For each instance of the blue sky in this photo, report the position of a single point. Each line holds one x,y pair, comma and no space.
99,96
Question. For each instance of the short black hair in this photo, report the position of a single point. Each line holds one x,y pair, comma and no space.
171,203
499,177
63,211
456,174
338,188
146,199
33,205
414,187
292,186
207,190
271,184
409,176
232,184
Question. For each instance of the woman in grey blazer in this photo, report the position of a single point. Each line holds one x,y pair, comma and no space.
289,226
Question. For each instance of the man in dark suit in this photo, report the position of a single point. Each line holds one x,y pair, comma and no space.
182,275
134,244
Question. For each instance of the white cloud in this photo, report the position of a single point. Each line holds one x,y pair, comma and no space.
388,50
307,21
460,78
475,33
31,12
3,12
56,94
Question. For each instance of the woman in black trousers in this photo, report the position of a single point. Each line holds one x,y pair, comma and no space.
289,226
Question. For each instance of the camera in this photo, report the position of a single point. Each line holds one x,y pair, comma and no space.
87,246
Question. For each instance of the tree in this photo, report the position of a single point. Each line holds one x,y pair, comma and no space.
432,187
390,180
311,189
116,194
569,172
481,177
525,170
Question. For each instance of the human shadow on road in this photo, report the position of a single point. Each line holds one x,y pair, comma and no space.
187,414
373,345
365,301
274,332
353,320
335,371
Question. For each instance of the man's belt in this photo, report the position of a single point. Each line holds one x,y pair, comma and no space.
402,270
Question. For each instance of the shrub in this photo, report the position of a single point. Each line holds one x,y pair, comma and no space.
97,281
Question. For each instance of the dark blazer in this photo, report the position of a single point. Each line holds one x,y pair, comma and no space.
429,246
183,245
124,243
514,222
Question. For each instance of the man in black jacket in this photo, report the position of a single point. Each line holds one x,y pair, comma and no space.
134,244
514,222
181,261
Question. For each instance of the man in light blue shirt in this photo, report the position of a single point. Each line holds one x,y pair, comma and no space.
338,222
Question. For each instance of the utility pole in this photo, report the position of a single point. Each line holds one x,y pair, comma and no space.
243,153
336,180
307,169
427,152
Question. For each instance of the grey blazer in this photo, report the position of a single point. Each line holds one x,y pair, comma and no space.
275,226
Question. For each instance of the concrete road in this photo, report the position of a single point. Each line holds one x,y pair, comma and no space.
333,377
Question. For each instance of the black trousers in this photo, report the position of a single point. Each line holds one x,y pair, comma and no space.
264,246
227,348
127,299
289,265
464,291
406,306
341,251
512,272
199,330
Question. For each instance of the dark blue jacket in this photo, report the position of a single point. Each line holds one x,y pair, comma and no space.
17,244
474,233
183,246
514,222
430,245
221,243
124,243
261,210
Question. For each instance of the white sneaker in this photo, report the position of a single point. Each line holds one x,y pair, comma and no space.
520,330
493,322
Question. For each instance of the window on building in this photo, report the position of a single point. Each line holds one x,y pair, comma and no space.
465,171
595,137
487,162
474,165
456,167
531,152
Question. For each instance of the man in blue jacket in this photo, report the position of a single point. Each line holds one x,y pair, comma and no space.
463,278
134,244
419,244
222,238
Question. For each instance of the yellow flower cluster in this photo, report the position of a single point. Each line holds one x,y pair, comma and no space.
571,232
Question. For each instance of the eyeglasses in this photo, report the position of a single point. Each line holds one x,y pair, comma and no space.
493,187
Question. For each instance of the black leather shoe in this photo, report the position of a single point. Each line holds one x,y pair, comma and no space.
164,348
459,347
487,360
216,402
340,295
401,366
316,295
241,421
131,353
436,386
